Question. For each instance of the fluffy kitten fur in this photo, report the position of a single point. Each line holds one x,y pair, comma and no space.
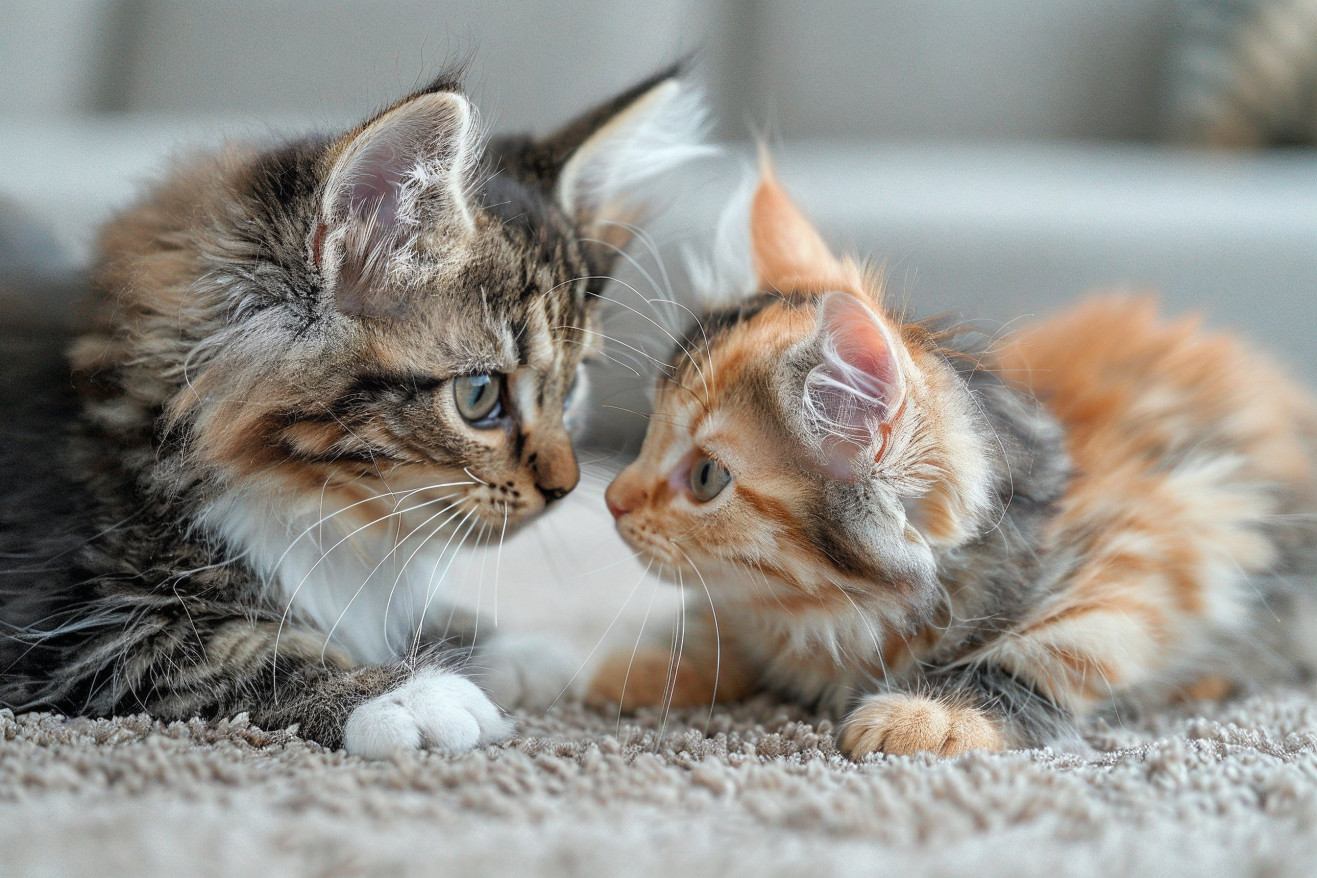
271,472
954,547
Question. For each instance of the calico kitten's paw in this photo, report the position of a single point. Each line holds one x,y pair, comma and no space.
643,680
529,671
436,709
901,724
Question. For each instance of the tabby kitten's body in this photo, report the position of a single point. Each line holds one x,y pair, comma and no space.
316,372
960,548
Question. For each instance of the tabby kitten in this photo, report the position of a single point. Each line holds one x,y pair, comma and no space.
955,548
315,372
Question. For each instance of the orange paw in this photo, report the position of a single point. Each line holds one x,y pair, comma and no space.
1213,687
900,724
635,681
643,680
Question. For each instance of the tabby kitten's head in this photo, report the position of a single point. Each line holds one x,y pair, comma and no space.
808,450
402,310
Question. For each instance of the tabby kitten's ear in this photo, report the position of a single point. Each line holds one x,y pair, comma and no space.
403,174
613,151
856,389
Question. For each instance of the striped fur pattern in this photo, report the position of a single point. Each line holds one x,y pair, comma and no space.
271,466
954,547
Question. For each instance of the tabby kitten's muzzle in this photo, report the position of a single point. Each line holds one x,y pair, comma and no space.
554,467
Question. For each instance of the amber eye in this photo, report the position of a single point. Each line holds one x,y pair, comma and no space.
478,398
708,478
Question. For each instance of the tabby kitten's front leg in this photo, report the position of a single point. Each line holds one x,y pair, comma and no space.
210,663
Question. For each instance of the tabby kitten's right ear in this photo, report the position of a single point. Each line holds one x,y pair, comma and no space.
403,174
608,155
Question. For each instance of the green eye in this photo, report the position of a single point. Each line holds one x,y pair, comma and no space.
708,478
478,398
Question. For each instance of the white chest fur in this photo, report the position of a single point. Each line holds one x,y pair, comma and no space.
368,582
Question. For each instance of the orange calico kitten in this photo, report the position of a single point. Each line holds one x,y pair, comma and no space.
959,549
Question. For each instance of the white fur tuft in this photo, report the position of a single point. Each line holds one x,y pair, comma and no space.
726,275
664,129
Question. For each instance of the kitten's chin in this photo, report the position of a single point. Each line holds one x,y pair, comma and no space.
663,557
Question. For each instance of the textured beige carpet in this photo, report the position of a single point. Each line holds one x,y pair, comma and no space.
1197,790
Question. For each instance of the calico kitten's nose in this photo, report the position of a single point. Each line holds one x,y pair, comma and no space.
619,498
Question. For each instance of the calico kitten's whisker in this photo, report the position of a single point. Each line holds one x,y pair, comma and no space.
635,650
674,665
717,636
600,640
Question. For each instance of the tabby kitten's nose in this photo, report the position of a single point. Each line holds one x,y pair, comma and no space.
555,470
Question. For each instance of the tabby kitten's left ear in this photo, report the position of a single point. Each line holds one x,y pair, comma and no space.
404,174
613,151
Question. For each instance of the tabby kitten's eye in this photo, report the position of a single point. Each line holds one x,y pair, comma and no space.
708,478
478,398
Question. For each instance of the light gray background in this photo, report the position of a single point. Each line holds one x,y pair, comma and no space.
1000,156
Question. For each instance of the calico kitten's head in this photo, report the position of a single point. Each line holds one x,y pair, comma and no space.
403,306
808,449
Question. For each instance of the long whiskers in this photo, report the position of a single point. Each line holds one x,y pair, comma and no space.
717,636
599,642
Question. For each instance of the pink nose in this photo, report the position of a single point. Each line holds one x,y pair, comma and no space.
618,499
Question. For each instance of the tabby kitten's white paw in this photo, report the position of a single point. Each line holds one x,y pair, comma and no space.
529,671
436,710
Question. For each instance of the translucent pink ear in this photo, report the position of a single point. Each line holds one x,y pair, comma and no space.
405,172
856,389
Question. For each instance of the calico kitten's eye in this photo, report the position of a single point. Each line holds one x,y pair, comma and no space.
478,398
708,478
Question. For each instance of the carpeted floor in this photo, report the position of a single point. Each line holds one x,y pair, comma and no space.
758,789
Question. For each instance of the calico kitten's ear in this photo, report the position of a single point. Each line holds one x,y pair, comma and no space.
617,148
856,389
789,256
403,174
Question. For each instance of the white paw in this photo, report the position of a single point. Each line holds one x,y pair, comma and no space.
528,671
435,709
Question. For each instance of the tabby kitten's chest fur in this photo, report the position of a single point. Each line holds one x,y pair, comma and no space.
315,373
961,548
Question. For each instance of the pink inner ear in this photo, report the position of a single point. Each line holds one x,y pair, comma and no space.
857,387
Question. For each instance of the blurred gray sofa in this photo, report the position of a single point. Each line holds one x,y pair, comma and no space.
1001,157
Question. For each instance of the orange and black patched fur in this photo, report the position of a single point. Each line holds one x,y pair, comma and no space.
315,372
954,547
